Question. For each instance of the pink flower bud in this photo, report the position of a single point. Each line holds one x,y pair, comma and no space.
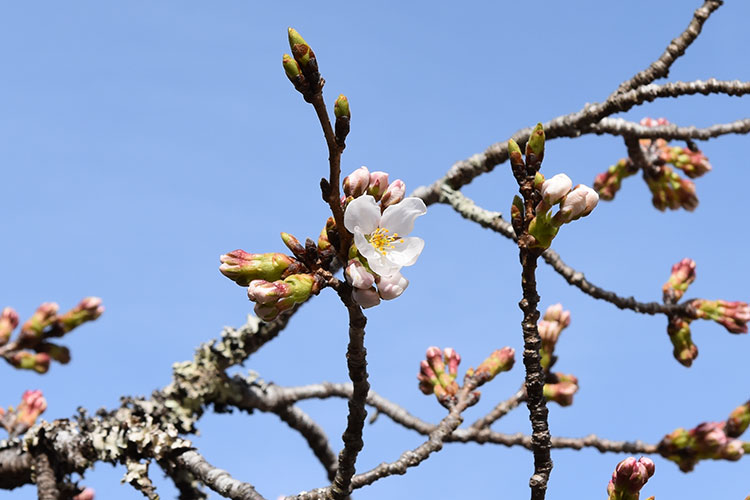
630,476
555,188
578,203
32,405
86,494
378,184
738,420
453,359
394,194
366,298
357,275
390,287
683,275
8,323
499,361
265,292
733,450
242,267
266,312
44,316
88,309
355,184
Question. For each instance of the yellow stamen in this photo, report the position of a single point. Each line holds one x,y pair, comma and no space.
382,241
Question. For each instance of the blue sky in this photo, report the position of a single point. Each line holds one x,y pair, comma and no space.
140,140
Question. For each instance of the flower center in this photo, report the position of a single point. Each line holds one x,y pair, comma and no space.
382,241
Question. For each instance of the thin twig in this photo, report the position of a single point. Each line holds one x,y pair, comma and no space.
573,125
356,359
676,48
494,221
410,458
500,410
217,479
314,435
619,126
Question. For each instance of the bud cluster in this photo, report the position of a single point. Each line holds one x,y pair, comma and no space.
362,181
302,67
668,189
554,321
561,388
629,477
731,315
683,275
574,203
708,440
19,420
32,349
438,372
363,280
277,282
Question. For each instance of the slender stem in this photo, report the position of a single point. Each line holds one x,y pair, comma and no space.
314,435
334,174
500,410
675,49
356,358
217,479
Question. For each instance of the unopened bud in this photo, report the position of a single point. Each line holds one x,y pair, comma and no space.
32,405
355,184
535,145
86,494
378,184
59,353
242,267
357,275
8,323
683,274
555,188
341,107
366,298
390,287
514,154
562,391
301,51
578,203
734,315
685,351
629,477
88,309
266,292
733,450
453,359
292,70
29,361
499,361
738,421
393,194
44,316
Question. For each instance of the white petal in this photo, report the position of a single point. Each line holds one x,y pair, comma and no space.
375,259
362,212
399,218
406,252
366,298
357,275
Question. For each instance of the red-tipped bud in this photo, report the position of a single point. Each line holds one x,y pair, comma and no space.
734,316
8,323
683,275
629,477
738,421
242,267
562,391
378,184
499,361
88,309
44,316
394,194
32,405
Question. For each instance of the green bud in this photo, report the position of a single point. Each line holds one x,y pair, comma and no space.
301,286
242,267
514,153
291,68
543,230
301,51
341,107
536,142
538,181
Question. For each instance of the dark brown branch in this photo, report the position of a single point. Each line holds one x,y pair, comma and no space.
574,125
500,410
217,479
333,195
494,221
676,48
356,360
46,484
314,435
411,458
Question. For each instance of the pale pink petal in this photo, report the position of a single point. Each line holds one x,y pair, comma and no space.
406,252
390,287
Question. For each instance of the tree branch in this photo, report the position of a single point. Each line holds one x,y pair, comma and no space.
314,435
500,410
494,221
46,484
675,50
217,479
356,359
619,126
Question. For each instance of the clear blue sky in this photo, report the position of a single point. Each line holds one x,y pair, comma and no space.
140,140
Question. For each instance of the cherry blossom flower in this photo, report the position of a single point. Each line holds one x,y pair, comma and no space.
383,240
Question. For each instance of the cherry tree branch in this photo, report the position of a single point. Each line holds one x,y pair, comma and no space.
675,49
217,479
500,410
314,435
46,483
573,125
619,126
466,207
